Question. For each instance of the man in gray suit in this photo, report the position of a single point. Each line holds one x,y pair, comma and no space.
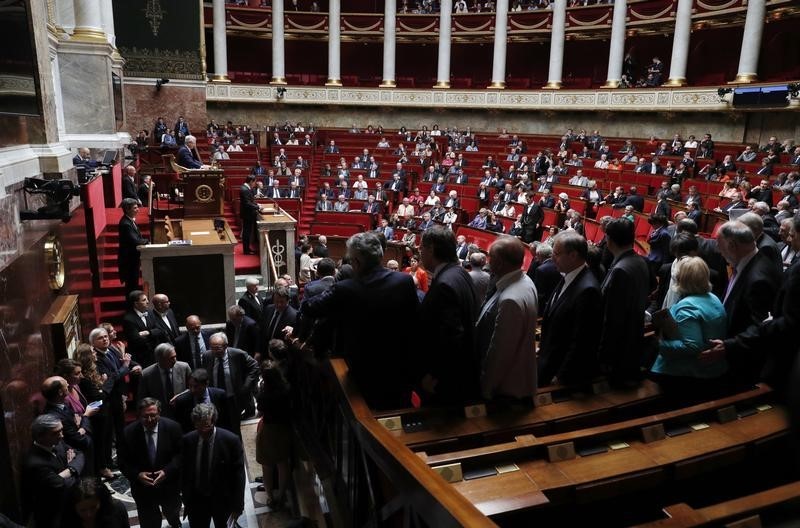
235,372
507,325
164,379
479,277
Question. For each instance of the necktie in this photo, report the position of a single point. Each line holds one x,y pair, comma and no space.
199,350
220,375
272,323
556,294
151,447
731,282
144,318
203,468
169,390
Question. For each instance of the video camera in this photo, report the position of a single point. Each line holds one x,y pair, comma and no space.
58,194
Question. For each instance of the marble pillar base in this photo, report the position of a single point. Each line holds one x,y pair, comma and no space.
278,80
442,84
497,85
388,83
745,78
676,81
552,85
333,82
220,78
611,84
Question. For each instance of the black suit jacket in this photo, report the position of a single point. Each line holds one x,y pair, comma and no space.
128,258
226,471
625,291
183,347
247,202
141,347
564,352
320,251
136,458
447,341
244,373
169,333
777,339
748,303
72,437
252,308
129,189
43,491
367,300
249,335
185,402
287,318
546,277
532,216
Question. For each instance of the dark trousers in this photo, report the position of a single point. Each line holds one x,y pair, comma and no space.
248,230
201,512
150,504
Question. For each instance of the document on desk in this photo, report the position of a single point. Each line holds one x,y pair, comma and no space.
199,233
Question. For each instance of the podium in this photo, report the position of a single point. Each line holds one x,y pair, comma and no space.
196,272
203,193
276,233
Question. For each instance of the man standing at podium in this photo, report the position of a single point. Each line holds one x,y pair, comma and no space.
128,258
248,213
187,154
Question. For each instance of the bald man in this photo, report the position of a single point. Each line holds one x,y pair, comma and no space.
192,344
76,430
164,318
507,325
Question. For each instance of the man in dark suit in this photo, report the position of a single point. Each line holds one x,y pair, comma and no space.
234,371
76,435
633,199
140,329
545,275
625,290
253,303
764,242
321,249
187,154
212,475
532,218
129,187
164,318
374,291
115,367
152,465
754,282
242,331
777,337
462,248
164,379
200,392
128,259
324,204
279,314
450,368
566,356
49,471
191,345
248,213
395,184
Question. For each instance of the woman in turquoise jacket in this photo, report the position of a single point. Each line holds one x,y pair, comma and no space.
699,317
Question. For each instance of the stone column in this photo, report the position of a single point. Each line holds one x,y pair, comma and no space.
88,22
680,44
278,72
616,51
220,43
334,43
445,26
500,37
557,44
751,42
389,43
65,16
107,18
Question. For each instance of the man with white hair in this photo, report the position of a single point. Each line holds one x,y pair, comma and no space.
765,244
187,155
771,225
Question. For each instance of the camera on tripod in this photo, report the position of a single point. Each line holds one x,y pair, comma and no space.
58,194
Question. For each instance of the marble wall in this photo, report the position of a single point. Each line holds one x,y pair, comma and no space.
86,93
728,126
143,105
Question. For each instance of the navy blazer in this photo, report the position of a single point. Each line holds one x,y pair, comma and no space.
186,158
183,347
43,491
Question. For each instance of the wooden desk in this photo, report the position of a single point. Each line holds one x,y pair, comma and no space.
199,278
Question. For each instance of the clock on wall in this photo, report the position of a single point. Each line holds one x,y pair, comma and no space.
54,262
204,193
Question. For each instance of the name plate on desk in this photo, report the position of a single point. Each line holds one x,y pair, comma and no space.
179,243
